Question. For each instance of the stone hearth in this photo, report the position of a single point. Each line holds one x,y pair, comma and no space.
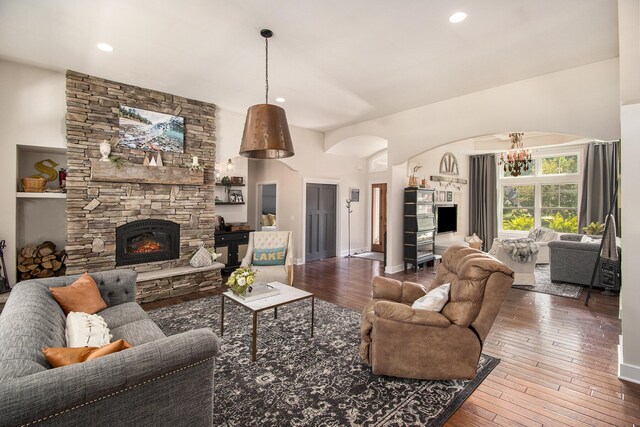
96,208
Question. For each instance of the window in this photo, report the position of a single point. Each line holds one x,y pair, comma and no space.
546,195
378,163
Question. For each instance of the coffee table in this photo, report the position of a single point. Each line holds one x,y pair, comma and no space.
288,294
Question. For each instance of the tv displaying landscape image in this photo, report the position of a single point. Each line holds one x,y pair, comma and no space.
150,131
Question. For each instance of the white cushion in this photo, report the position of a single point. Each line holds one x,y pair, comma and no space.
86,330
202,258
435,300
586,239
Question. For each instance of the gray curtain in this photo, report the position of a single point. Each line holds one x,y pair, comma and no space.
483,217
601,168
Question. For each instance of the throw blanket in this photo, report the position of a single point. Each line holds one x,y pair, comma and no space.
521,250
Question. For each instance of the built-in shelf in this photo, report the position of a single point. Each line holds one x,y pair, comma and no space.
128,172
26,195
232,185
229,203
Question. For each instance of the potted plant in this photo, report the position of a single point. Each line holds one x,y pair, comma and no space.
241,279
226,181
594,229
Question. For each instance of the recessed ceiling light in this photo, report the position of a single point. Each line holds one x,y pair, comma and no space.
280,99
457,17
105,47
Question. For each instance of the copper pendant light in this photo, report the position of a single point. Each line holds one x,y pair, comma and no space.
266,132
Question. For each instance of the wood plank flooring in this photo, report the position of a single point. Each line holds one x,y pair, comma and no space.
558,358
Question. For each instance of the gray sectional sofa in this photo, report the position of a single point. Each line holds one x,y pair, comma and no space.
572,261
160,381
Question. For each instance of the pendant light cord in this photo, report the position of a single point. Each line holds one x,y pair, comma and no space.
266,70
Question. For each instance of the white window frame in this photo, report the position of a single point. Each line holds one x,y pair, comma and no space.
538,180
376,157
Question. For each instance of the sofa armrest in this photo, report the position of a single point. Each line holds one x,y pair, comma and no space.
60,391
388,289
403,313
411,291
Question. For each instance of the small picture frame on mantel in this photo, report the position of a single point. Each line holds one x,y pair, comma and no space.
235,196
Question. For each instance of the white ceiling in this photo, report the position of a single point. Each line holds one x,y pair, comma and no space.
336,62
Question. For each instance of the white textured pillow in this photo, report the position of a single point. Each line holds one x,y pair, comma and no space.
202,258
586,239
86,330
435,300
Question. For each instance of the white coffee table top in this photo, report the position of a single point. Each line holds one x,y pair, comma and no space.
287,294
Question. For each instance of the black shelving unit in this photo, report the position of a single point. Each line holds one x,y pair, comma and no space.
419,227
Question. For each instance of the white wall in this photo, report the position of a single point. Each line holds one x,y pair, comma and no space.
32,111
430,162
581,101
629,28
312,164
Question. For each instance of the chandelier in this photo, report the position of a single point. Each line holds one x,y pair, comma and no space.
517,159
266,132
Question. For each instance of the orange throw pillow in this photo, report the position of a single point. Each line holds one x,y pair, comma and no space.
64,356
82,296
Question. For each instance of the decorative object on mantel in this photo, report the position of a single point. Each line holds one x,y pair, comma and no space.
146,162
153,162
109,172
413,179
5,286
266,132
118,161
159,159
105,150
424,183
517,159
449,165
150,131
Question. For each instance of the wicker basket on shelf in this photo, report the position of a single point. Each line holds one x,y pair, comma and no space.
34,185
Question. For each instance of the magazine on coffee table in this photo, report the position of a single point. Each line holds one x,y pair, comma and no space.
258,292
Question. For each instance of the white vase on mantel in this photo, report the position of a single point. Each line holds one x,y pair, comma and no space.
105,150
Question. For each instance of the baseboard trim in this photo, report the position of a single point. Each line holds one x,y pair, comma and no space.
354,251
626,371
390,269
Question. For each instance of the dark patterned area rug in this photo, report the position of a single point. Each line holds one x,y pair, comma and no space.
544,284
303,381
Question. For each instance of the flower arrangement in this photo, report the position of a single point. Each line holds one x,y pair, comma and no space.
241,279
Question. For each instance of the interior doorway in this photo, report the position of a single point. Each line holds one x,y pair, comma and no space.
267,203
378,217
320,233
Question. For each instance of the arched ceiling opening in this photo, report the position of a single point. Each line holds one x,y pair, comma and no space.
361,146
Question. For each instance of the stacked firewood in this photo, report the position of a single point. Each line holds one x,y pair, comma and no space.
43,260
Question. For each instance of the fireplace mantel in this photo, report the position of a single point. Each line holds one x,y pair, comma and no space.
170,175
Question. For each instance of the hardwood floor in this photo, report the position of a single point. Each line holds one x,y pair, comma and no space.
558,358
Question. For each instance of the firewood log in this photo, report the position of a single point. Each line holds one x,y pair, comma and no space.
47,265
22,268
48,258
45,251
28,251
36,271
45,273
25,276
32,267
56,265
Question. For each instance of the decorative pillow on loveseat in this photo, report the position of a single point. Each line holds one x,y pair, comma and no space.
435,300
275,256
82,295
58,357
86,330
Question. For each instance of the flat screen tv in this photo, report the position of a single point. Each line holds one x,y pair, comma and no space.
447,218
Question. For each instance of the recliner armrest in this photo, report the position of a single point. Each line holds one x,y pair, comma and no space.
403,313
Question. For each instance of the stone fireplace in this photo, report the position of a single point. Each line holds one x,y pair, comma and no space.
150,219
147,240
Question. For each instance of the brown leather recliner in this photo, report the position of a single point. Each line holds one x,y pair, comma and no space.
402,342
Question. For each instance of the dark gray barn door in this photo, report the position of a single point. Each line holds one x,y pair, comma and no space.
320,236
